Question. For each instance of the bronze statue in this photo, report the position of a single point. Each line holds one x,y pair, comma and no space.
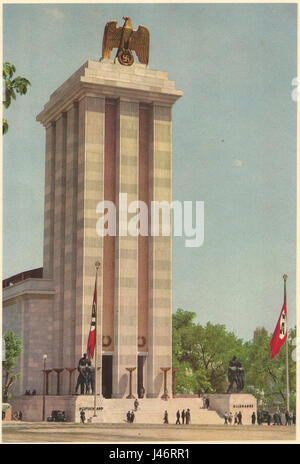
126,39
82,376
236,375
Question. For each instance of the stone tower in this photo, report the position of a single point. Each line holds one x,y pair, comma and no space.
109,131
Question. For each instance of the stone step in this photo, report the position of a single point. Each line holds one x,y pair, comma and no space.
156,417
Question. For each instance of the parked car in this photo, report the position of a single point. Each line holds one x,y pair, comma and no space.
264,415
57,416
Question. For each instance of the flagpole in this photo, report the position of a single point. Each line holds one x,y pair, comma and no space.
97,265
286,353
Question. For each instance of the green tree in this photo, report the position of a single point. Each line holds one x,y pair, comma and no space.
266,378
12,86
13,349
201,354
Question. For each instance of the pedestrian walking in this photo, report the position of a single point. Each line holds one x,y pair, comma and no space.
166,418
253,418
178,417
230,418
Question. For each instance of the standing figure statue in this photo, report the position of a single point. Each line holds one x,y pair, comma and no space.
90,378
231,374
81,379
236,375
240,377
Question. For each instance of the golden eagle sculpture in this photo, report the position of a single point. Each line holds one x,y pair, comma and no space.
126,39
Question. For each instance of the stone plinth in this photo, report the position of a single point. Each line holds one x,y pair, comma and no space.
113,411
234,402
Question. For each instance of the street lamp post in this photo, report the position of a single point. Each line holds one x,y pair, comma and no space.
44,385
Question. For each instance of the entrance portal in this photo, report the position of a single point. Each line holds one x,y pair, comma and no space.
140,376
107,376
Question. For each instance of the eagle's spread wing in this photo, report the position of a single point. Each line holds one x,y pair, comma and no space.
111,38
139,42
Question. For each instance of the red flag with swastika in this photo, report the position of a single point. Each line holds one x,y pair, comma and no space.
280,332
92,334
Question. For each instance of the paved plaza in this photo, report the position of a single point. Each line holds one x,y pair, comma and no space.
28,432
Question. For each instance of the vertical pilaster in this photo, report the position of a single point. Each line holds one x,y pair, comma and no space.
49,201
59,238
108,267
70,257
126,268
143,241
89,244
160,254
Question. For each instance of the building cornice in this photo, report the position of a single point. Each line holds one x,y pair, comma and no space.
31,287
102,79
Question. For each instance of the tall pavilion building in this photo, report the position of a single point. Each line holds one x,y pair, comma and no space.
108,131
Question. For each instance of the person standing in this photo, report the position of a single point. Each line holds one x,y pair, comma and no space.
230,418
225,418
166,418
294,418
188,416
258,418
82,416
253,418
269,418
183,416
287,418
239,418
178,417
236,418
136,404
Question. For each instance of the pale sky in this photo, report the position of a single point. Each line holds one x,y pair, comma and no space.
234,142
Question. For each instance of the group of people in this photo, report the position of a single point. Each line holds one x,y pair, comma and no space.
185,416
86,376
130,417
28,392
235,419
290,419
205,402
277,418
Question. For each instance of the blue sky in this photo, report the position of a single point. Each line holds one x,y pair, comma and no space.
234,142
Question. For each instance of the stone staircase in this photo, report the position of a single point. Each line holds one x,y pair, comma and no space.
151,411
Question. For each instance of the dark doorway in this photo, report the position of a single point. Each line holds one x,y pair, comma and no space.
107,376
140,376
